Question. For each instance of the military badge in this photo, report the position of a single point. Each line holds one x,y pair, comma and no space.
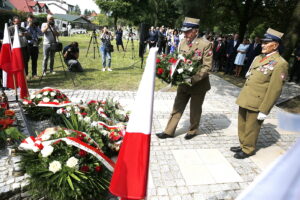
282,76
198,53
267,67
210,53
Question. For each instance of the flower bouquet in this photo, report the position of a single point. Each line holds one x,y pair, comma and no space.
44,103
65,164
8,134
177,69
95,120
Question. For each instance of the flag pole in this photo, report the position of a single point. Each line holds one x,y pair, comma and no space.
15,86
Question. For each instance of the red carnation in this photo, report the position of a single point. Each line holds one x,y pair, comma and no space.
98,168
84,114
92,102
84,168
164,55
172,60
82,153
160,71
158,60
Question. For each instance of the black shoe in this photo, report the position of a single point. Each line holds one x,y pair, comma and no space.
189,136
242,155
235,149
163,135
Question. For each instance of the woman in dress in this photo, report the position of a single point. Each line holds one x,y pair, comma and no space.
119,35
240,57
174,41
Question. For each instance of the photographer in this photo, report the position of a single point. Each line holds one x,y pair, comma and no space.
119,35
71,55
50,34
33,43
106,49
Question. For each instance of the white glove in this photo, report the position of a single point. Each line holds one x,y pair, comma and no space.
188,81
261,116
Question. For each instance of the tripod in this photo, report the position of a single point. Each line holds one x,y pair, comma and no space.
95,43
130,38
63,66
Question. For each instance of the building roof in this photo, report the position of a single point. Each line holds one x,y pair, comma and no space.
71,18
25,5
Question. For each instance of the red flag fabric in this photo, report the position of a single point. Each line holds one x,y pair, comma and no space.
5,59
130,177
17,66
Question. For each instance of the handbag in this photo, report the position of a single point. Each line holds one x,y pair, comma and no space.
109,48
55,46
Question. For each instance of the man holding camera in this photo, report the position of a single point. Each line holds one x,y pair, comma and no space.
106,49
50,34
71,55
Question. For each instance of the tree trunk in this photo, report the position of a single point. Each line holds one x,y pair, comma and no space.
115,22
292,33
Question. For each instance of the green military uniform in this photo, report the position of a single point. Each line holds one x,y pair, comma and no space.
196,92
259,94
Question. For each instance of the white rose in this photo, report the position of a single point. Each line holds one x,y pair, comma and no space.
191,69
39,96
104,132
46,99
68,115
94,124
47,151
45,93
52,94
180,56
56,101
87,119
180,70
45,137
25,102
59,111
72,162
68,132
100,109
55,166
69,108
32,96
76,109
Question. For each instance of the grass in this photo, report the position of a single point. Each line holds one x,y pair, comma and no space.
126,74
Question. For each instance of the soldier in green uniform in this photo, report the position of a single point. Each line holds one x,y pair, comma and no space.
200,81
263,86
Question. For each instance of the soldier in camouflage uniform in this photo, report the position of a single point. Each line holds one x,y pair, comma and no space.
262,88
200,81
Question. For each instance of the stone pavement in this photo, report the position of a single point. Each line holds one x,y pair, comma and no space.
203,167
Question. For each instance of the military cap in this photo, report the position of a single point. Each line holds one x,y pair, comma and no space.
272,35
190,23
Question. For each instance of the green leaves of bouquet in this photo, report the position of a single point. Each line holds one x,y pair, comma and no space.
64,172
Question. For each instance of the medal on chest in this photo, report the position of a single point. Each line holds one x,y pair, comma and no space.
267,67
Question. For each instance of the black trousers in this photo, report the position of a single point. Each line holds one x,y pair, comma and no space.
25,55
33,54
295,72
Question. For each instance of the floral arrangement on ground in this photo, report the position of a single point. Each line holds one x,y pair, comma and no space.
176,68
9,135
65,164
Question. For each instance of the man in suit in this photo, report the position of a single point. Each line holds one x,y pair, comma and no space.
162,40
199,82
218,53
152,37
231,52
253,51
263,86
24,37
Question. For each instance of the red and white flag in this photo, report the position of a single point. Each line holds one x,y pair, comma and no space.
129,180
5,55
18,66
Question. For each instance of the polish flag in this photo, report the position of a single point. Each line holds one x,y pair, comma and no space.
5,56
129,180
18,66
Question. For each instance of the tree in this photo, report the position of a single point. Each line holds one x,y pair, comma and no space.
87,12
76,11
115,8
